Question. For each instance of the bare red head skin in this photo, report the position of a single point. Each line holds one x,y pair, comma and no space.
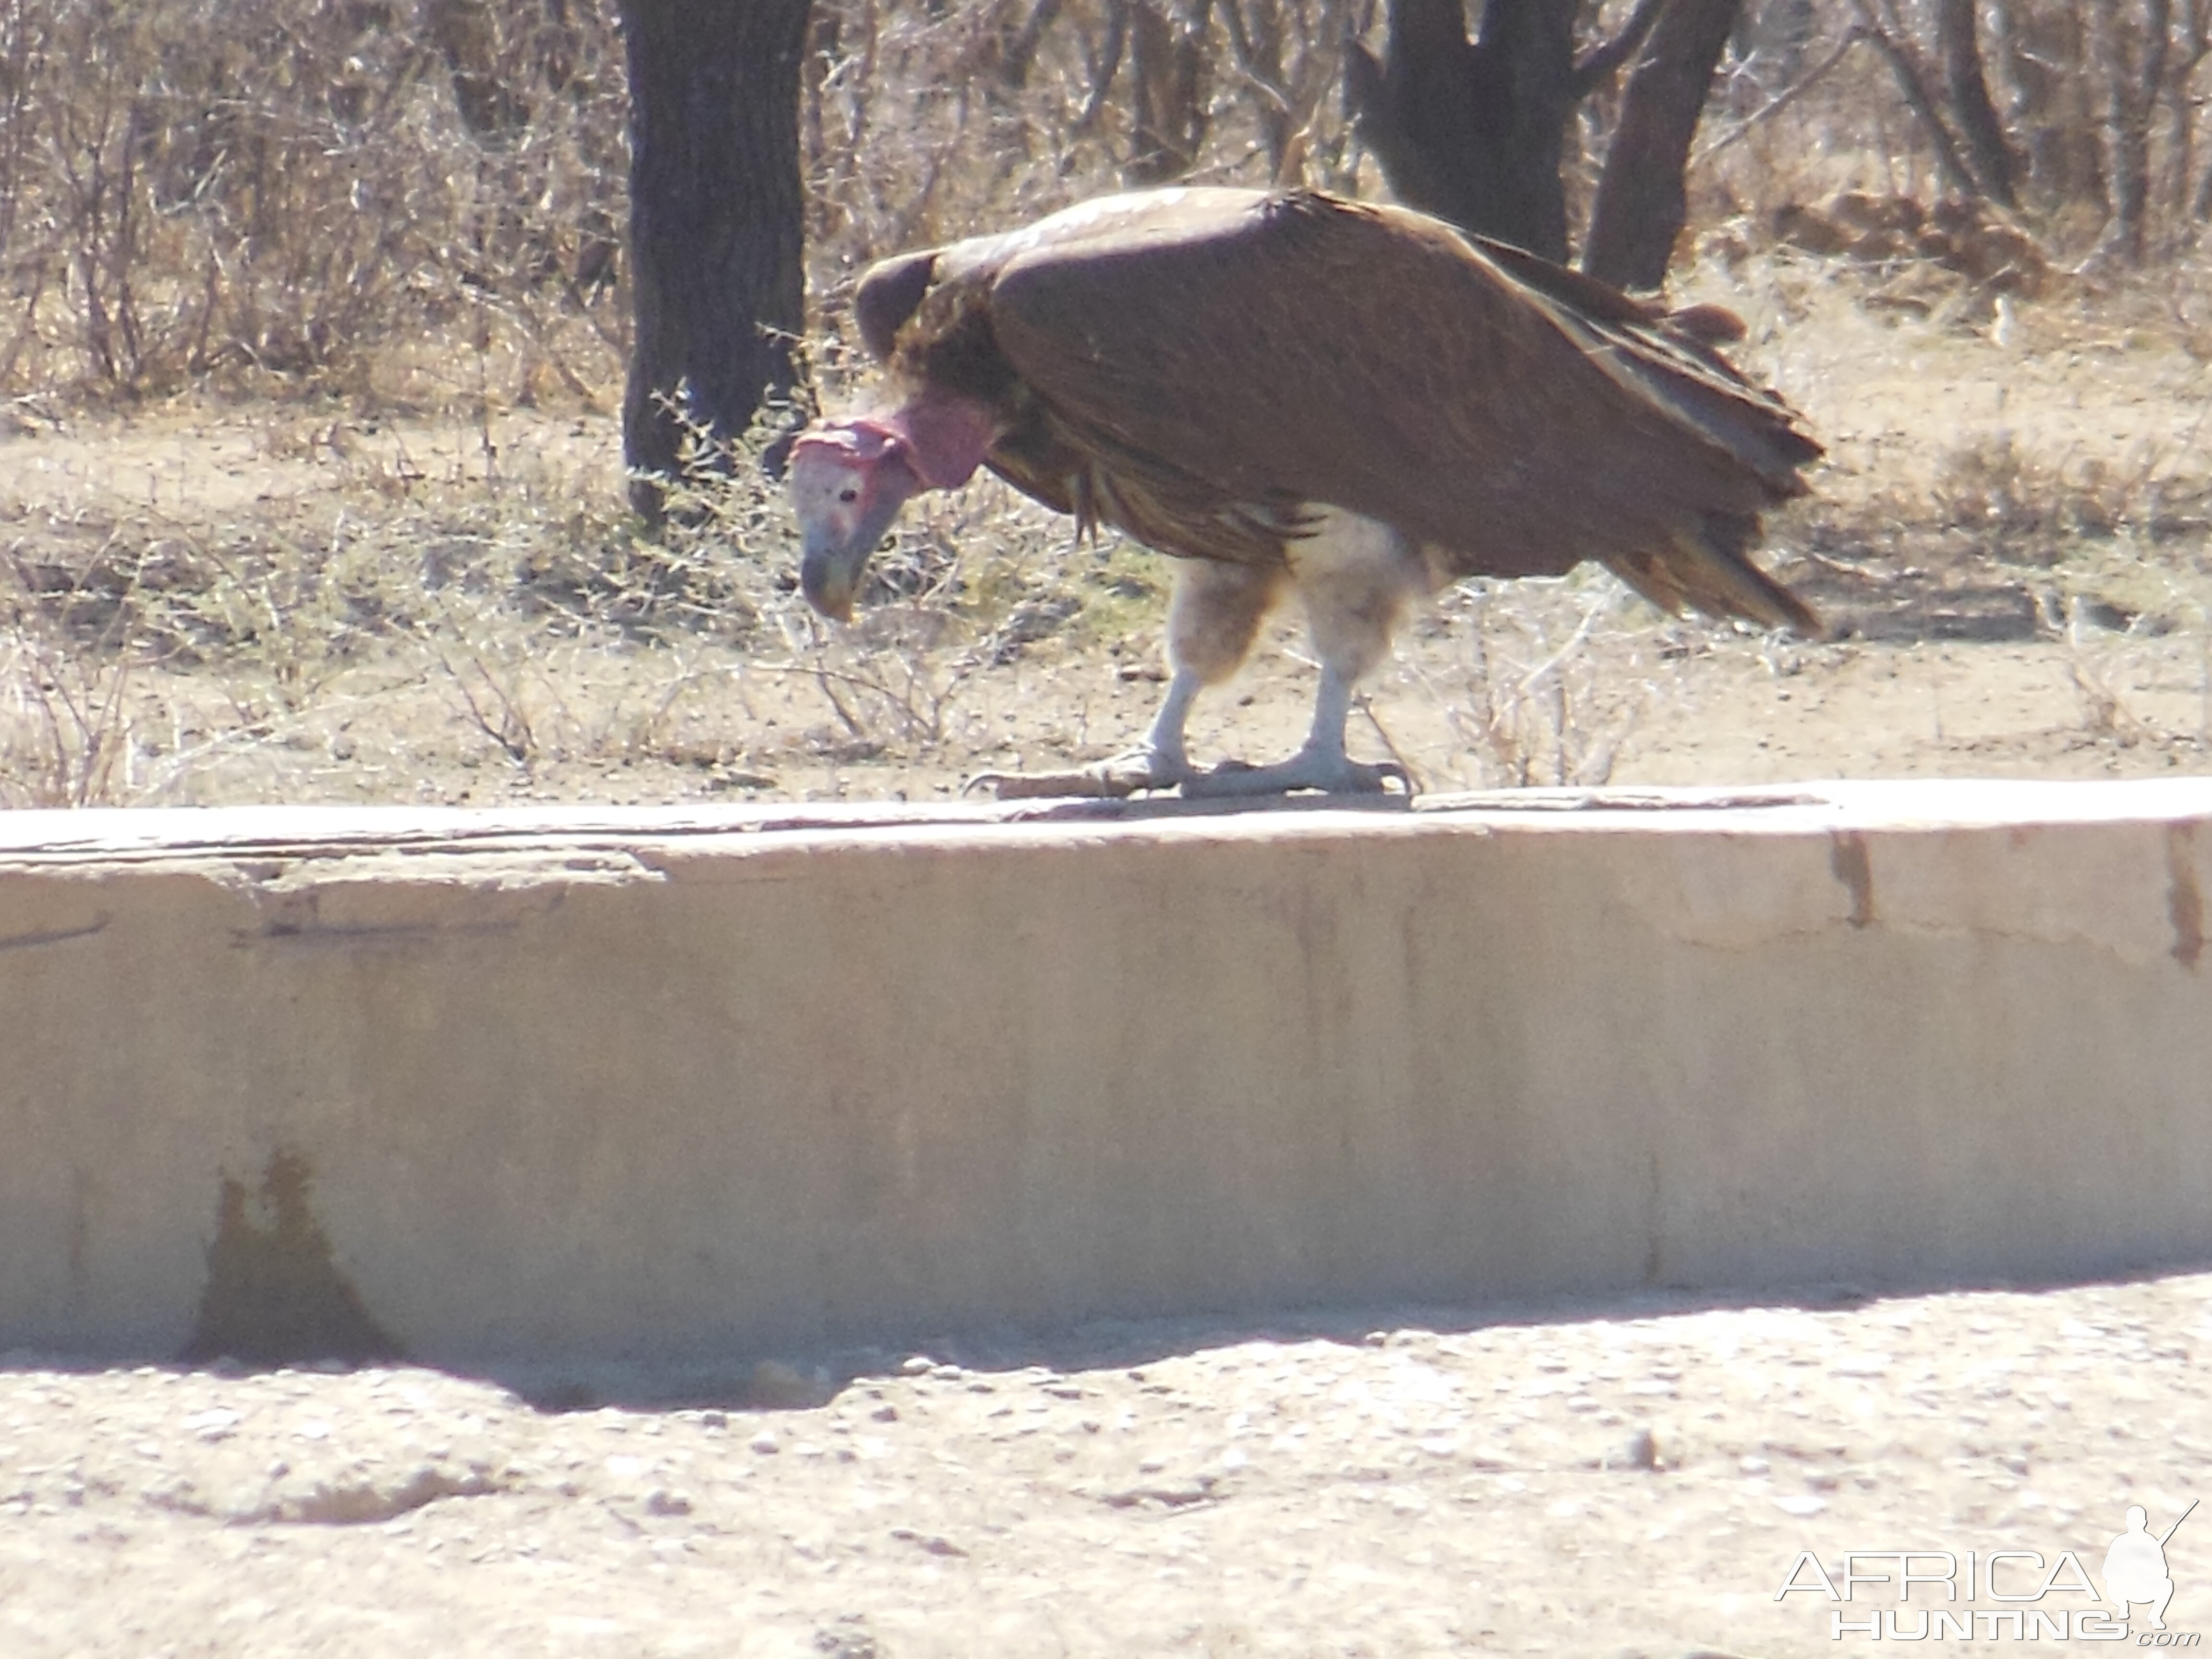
849,477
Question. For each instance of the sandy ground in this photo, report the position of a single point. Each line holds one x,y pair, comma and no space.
1633,1478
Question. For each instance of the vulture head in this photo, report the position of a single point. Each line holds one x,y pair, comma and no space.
849,478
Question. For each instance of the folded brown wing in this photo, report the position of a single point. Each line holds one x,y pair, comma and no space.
1300,348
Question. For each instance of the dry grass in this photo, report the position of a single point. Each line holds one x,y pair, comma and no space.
508,616
273,193
1527,701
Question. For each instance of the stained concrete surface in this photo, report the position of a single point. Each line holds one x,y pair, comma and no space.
672,1087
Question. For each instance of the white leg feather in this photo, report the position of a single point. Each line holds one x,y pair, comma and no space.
1355,577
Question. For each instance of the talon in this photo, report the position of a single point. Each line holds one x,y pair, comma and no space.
1042,786
1112,780
1331,776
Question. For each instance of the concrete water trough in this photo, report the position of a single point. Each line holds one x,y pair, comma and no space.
487,1088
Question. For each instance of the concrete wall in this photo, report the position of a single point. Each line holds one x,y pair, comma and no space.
663,1085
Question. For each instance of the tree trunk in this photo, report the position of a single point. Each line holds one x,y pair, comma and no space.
2129,54
716,223
1957,31
1641,203
1472,131
2040,57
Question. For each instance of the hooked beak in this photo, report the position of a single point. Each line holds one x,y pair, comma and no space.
829,572
830,566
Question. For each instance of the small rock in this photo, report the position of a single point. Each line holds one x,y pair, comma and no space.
846,1643
1641,1451
929,1541
765,1443
660,1502
1862,1364
1800,1504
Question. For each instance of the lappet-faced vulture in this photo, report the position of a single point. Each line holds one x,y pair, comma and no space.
1293,391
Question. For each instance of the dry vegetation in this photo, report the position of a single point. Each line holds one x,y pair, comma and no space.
311,318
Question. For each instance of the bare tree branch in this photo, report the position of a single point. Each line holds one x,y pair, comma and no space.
1912,81
1602,60
1782,100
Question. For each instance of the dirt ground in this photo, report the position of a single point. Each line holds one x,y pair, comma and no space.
1628,1478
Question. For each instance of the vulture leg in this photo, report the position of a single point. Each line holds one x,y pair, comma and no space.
1355,576
1212,620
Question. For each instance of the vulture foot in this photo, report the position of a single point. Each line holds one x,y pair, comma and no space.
1333,774
1112,780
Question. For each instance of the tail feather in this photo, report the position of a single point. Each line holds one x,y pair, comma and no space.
1707,569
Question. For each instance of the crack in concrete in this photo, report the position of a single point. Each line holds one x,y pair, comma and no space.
56,935
2185,898
1847,858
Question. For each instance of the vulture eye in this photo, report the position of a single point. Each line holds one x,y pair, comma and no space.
848,494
